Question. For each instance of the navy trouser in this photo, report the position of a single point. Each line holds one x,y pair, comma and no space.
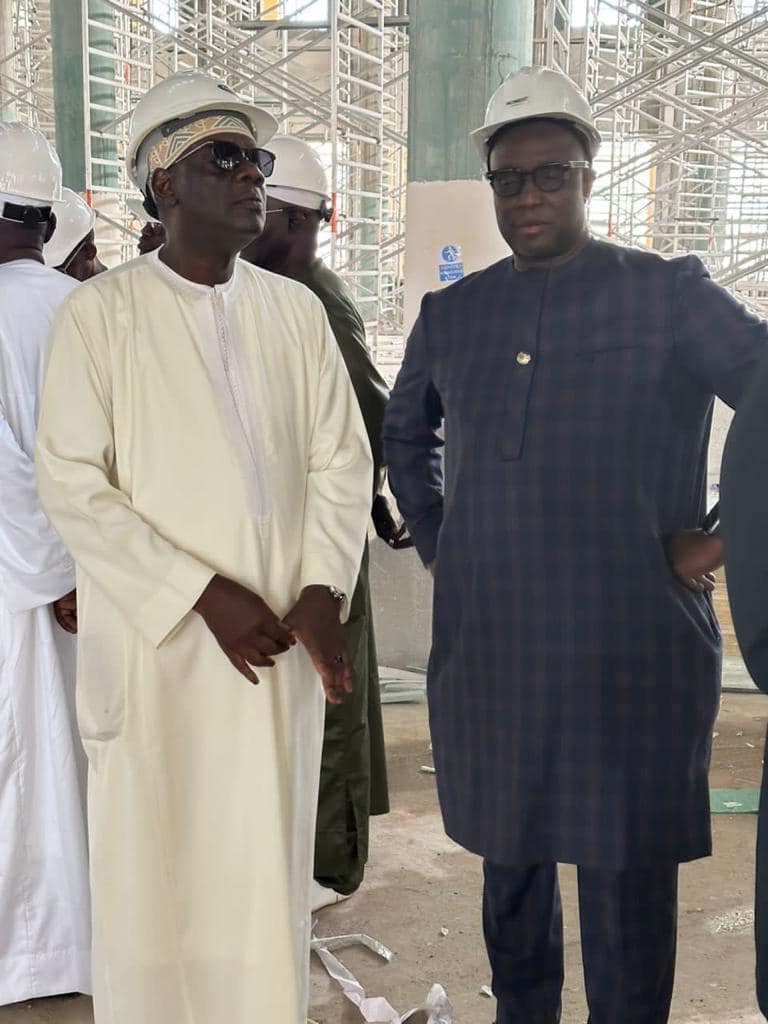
628,942
761,895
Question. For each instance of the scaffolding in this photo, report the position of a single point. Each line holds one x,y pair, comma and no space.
26,73
680,89
552,34
332,71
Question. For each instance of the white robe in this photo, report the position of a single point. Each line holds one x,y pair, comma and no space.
188,430
44,905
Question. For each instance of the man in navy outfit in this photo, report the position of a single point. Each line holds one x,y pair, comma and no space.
744,484
575,666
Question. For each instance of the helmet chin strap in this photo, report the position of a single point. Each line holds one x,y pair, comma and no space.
30,216
150,206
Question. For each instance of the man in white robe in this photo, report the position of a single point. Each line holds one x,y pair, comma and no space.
44,904
202,454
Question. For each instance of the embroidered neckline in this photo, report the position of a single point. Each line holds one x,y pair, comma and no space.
227,290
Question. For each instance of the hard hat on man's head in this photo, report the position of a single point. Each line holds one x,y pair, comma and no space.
30,171
74,222
179,97
533,94
299,176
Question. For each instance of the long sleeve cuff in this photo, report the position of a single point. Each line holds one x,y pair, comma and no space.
425,531
174,599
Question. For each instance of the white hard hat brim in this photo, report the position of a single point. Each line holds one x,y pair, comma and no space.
137,210
27,200
482,136
56,255
302,197
67,238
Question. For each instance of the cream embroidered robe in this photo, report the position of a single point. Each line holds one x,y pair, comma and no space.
188,430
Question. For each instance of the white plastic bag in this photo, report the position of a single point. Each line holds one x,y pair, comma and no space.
376,1009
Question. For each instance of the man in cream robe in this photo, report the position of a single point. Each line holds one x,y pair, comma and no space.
44,902
191,432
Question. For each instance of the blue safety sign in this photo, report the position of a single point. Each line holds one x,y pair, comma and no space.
451,271
449,264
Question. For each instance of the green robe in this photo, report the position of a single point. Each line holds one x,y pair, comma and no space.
353,775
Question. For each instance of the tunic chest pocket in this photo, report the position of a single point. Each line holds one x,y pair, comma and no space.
623,359
619,337
592,353
492,405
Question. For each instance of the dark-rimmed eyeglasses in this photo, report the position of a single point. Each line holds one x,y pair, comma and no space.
227,156
546,177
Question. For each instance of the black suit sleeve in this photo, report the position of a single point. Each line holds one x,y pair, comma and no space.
744,523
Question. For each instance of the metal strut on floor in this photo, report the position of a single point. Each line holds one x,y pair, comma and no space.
329,943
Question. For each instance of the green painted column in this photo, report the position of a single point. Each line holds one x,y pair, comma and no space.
69,89
69,85
460,51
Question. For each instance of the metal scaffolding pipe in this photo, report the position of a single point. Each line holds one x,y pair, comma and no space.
396,21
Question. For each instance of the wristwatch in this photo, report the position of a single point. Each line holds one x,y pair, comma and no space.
337,595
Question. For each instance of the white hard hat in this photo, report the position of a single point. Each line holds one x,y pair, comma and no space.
299,176
30,171
74,221
137,209
189,92
536,93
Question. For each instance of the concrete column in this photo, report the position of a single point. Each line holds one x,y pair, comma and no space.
69,89
460,51
70,83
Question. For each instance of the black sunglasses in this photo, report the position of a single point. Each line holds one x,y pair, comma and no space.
227,156
547,177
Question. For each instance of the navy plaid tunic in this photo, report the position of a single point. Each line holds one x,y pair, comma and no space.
573,682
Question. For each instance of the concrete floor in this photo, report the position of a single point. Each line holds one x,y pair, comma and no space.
420,883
